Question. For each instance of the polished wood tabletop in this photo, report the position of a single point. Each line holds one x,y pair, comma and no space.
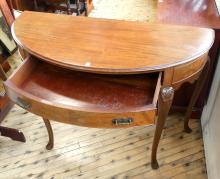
109,46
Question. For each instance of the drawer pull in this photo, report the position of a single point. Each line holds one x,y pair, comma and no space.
121,121
24,104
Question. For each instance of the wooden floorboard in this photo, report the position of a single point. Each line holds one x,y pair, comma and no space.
100,153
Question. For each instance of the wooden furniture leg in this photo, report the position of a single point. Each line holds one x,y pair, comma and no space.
77,8
164,103
86,7
50,134
68,7
14,134
199,85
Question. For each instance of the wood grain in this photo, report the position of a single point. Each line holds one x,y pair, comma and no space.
109,46
185,71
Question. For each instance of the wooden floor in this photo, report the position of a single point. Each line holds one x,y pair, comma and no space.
100,153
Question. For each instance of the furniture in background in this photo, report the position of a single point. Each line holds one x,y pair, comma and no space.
53,5
5,103
81,6
121,79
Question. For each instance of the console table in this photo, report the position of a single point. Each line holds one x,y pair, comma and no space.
202,13
105,73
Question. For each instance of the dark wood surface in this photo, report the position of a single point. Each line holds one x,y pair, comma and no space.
23,4
109,46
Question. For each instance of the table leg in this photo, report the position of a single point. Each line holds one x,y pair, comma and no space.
164,103
199,85
14,134
50,134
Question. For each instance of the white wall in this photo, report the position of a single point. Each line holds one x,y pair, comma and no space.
211,128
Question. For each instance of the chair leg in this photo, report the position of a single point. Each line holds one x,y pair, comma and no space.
199,85
68,7
164,103
50,134
77,8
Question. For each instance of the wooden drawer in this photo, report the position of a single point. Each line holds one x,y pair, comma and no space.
85,99
183,72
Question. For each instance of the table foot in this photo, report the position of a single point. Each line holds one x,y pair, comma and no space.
49,146
14,134
154,165
187,129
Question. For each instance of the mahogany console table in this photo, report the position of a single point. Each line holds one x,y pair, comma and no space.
202,13
105,73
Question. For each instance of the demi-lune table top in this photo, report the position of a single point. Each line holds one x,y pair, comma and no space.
109,46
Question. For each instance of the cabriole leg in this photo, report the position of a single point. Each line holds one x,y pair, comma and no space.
199,85
164,103
50,134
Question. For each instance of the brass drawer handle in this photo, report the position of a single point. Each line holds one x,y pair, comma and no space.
24,104
122,121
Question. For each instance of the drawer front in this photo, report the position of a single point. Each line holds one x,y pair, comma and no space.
81,118
183,72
